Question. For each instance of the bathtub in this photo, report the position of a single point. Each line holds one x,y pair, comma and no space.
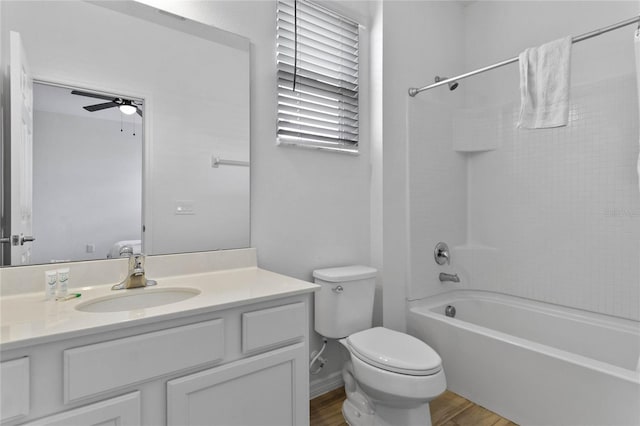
534,363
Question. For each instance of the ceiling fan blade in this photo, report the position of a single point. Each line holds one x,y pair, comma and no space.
98,107
92,95
139,111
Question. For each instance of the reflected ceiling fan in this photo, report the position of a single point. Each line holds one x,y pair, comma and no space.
126,106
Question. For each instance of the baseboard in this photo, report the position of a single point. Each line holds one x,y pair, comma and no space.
323,385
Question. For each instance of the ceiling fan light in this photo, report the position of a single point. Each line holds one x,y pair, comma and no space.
128,109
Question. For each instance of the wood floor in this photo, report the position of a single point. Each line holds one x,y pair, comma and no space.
449,409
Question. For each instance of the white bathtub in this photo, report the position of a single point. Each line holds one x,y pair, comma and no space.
534,363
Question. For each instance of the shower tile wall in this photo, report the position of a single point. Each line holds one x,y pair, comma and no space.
554,214
437,177
561,206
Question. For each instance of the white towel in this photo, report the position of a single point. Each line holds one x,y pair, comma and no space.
544,85
637,50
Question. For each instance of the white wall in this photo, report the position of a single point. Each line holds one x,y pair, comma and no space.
310,209
423,190
84,168
560,207
497,30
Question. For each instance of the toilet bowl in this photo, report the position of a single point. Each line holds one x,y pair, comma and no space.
396,374
390,377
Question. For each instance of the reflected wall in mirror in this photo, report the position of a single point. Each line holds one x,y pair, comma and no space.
194,82
87,175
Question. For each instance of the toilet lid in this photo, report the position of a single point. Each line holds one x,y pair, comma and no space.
394,351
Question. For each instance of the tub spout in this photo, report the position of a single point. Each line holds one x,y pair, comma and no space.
449,277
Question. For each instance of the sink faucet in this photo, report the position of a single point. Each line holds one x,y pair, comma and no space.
135,276
449,277
126,251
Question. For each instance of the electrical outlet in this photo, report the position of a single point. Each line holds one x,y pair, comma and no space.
91,248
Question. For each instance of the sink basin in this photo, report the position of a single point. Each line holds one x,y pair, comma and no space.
140,298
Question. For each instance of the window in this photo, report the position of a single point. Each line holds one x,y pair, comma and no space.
317,59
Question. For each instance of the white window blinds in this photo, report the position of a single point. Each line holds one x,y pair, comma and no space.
317,59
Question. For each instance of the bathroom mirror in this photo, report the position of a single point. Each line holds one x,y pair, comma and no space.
179,182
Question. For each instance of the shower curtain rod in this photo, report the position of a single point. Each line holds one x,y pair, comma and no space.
414,91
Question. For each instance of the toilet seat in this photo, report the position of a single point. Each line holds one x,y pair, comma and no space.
394,351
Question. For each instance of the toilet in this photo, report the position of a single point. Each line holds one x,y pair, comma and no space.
390,377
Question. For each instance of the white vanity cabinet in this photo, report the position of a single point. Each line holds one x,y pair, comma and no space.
264,389
242,365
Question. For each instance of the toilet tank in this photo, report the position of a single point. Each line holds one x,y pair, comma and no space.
344,304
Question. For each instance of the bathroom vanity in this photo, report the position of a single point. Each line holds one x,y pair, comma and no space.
234,351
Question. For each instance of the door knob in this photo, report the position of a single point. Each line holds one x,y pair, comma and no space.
26,239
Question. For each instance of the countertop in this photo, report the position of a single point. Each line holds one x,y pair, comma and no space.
28,319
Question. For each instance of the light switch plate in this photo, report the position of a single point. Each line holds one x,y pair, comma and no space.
185,207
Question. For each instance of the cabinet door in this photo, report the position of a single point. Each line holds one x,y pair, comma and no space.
121,411
267,389
14,389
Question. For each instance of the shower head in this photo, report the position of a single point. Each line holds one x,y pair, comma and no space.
452,85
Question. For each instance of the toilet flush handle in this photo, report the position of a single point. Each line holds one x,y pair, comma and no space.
338,289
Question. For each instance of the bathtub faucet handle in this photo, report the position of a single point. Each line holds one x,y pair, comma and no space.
441,253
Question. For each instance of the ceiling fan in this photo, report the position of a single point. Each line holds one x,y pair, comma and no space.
126,106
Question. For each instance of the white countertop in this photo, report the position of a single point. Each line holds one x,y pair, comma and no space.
27,318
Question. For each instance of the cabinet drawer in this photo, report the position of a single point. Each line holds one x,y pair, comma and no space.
14,392
92,369
267,328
